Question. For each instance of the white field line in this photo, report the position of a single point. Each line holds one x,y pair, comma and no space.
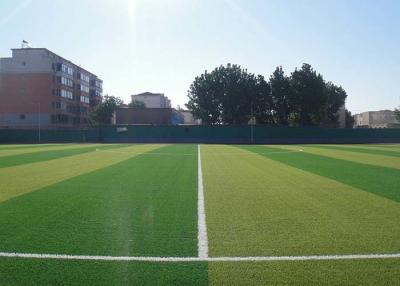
200,259
201,212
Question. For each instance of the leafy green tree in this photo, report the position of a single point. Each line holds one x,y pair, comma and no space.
137,104
308,97
397,114
349,119
204,99
262,103
103,112
229,95
280,91
336,99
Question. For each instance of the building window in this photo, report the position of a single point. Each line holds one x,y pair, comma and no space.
85,99
99,84
22,116
84,88
65,93
67,69
84,77
59,118
66,81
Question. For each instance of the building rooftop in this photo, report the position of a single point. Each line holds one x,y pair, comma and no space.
47,50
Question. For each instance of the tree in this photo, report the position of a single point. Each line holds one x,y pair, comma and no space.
137,104
336,99
349,119
397,113
103,112
229,95
262,103
308,97
280,91
204,102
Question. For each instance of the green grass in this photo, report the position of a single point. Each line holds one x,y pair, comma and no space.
364,150
24,146
355,272
257,206
40,156
144,206
17,272
379,180
141,200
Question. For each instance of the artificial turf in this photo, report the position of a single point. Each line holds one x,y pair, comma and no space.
141,200
257,206
143,206
364,150
379,180
347,155
46,155
17,272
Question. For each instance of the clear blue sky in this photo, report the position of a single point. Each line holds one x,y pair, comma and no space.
161,45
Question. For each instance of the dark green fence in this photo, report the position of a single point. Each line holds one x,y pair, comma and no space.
243,134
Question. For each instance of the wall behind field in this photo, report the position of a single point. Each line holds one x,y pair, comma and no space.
242,134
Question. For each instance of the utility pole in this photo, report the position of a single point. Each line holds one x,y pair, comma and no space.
252,125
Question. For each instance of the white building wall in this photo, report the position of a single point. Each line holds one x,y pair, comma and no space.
153,100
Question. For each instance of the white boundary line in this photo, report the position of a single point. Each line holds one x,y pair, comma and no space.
202,244
200,259
202,238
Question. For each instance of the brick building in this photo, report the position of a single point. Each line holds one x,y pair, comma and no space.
38,86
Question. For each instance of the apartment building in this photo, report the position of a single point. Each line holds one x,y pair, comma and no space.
153,100
376,119
38,86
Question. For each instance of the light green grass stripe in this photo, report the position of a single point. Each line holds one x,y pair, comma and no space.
363,158
370,151
332,273
258,207
18,180
40,148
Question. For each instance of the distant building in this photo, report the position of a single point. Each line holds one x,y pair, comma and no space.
153,100
38,86
154,116
376,119
342,117
188,118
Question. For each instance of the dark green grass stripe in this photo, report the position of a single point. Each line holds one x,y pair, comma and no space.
16,272
361,150
381,181
40,156
143,206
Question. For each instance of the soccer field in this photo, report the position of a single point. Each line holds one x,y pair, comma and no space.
143,214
